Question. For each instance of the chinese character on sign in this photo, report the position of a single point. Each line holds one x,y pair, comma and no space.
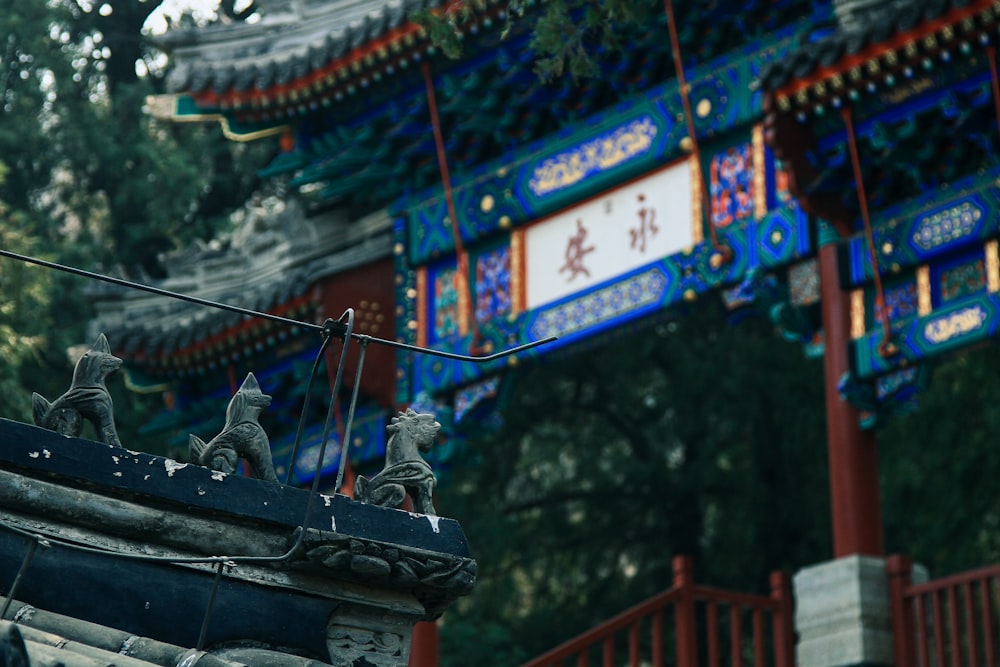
647,224
575,252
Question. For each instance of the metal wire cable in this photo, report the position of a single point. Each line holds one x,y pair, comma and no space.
334,327
329,329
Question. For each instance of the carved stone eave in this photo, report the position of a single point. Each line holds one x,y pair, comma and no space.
434,579
791,142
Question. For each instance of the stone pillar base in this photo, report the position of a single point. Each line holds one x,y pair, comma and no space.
842,614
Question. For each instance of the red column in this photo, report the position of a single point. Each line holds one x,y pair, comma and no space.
684,613
424,645
900,569
854,490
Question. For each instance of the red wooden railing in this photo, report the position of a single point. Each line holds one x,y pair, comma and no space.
730,628
949,622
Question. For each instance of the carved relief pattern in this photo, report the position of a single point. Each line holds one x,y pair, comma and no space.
347,644
600,154
435,579
493,285
731,185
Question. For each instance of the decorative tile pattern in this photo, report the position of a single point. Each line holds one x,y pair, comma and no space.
947,225
493,284
731,185
602,305
469,397
962,280
803,283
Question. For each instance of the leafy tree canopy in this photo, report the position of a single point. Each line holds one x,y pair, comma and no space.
91,180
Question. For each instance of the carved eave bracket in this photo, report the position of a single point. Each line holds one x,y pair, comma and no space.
435,579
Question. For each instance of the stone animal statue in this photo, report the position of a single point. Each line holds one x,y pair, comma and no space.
405,470
241,437
87,398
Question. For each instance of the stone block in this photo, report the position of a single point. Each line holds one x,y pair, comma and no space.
842,613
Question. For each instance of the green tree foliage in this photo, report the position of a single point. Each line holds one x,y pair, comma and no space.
691,437
939,464
93,181
23,310
566,35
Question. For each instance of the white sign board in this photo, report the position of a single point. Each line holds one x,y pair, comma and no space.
616,232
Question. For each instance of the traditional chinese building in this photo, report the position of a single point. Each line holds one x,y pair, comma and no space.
280,261
578,206
841,152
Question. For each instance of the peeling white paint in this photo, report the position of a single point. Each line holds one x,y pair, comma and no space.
126,647
117,474
333,523
147,605
24,614
46,453
218,475
201,491
327,500
132,452
33,455
116,459
173,466
145,478
434,523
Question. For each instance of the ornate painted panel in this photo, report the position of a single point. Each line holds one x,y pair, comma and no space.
959,278
593,155
607,236
781,237
443,303
731,185
960,323
917,233
493,284
901,303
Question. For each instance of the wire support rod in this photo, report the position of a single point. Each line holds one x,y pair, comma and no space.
332,327
12,591
886,348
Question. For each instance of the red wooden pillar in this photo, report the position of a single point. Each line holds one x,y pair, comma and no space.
684,614
782,626
900,570
424,645
854,491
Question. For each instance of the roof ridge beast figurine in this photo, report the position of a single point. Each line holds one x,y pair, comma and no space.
87,398
241,437
405,470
